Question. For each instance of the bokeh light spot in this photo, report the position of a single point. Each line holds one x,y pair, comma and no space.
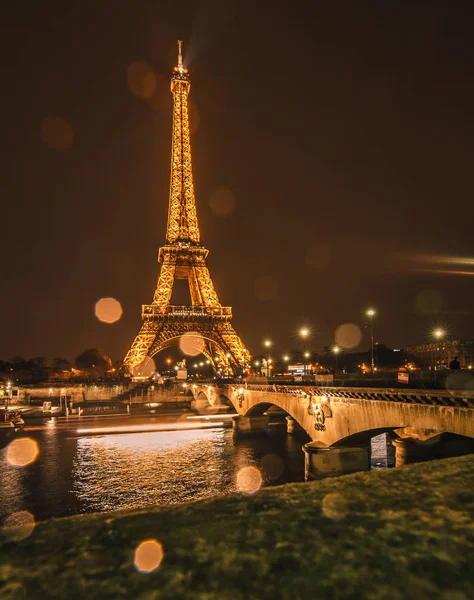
141,79
194,117
191,343
57,133
429,302
272,466
22,452
19,525
146,369
348,335
265,288
249,480
318,256
108,310
160,99
148,556
334,506
222,201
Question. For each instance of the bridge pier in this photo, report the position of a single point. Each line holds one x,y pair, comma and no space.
292,426
330,462
243,426
410,450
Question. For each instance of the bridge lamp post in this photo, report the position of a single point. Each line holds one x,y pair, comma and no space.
306,357
267,344
304,334
286,359
438,334
370,313
257,363
336,351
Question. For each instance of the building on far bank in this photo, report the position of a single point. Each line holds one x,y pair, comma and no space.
438,354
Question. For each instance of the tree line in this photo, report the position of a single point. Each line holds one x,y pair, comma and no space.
92,362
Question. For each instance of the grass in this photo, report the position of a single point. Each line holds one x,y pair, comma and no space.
403,534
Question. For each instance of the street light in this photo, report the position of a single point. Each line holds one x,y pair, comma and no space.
336,351
304,334
267,344
370,313
306,356
438,334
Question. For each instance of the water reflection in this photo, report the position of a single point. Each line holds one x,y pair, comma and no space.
75,474
134,470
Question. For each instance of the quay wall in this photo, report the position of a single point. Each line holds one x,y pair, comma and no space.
126,392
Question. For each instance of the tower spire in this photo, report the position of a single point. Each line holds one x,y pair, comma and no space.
182,218
180,57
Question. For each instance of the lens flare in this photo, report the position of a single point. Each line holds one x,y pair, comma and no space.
141,80
19,525
348,335
22,452
191,343
318,256
194,118
108,310
222,201
334,506
148,556
57,133
146,369
272,465
249,480
429,302
265,288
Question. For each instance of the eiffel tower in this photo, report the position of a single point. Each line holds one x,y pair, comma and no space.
206,323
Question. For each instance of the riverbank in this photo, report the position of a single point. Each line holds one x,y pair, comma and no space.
393,534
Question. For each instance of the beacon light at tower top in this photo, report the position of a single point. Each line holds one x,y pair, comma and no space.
180,71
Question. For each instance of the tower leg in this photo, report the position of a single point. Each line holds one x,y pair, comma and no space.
139,349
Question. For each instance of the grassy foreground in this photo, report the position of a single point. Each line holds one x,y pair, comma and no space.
399,534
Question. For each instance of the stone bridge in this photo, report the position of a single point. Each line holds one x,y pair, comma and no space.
340,422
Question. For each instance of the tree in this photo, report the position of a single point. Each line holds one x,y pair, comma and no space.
93,358
61,364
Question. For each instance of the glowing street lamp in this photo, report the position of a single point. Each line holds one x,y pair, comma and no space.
438,334
267,344
336,350
304,334
370,313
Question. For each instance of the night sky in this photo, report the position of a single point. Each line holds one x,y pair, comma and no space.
343,131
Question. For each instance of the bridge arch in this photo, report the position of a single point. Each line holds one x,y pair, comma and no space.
337,420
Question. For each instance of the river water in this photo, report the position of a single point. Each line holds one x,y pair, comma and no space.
100,470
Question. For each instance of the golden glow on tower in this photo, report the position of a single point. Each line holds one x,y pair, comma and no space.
182,217
183,257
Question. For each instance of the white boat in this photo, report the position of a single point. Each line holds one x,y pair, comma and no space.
10,422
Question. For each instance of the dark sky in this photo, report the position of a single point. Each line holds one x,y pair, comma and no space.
343,130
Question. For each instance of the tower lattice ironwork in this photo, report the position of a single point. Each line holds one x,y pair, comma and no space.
205,321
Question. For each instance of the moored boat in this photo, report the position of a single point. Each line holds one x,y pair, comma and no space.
11,422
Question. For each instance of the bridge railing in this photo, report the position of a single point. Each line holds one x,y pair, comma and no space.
459,398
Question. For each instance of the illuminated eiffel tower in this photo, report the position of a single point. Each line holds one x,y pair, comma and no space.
206,324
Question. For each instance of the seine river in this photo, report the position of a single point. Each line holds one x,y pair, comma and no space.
99,470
